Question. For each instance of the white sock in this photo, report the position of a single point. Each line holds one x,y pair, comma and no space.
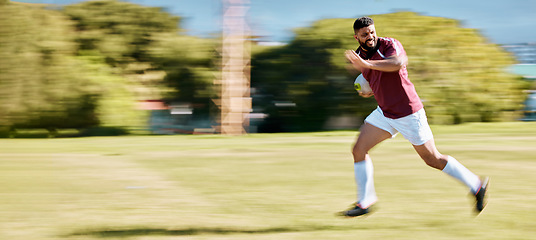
364,178
458,171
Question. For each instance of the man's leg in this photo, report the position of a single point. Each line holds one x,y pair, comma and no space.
369,137
449,165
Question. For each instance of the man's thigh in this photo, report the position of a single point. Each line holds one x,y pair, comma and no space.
369,136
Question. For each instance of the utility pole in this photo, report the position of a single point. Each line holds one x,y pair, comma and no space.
235,100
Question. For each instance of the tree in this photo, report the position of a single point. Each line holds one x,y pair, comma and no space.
40,81
121,31
115,37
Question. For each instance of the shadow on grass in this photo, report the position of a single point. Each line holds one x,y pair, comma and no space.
115,233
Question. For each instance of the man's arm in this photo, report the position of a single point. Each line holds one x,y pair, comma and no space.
390,64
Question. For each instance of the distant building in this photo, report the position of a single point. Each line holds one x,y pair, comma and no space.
530,107
527,71
525,53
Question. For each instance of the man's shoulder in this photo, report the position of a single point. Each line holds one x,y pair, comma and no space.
388,45
388,40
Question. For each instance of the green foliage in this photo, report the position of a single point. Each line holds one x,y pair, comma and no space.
144,45
119,35
119,30
40,83
189,64
116,104
51,77
94,68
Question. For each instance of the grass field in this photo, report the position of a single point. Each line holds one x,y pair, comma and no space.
262,186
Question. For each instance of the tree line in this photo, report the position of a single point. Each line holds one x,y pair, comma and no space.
88,65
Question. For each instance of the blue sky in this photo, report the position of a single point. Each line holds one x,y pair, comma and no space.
502,22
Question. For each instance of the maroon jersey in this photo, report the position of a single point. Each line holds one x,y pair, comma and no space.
393,91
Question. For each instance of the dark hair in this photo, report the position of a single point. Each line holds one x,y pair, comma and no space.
362,22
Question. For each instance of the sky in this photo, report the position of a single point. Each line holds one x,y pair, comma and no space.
500,21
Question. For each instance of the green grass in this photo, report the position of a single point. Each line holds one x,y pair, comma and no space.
262,186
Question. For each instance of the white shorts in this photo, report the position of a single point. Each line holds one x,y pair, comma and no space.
413,127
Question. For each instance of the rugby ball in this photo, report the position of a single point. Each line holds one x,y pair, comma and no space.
361,85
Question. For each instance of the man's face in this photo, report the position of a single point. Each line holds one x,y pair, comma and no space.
366,37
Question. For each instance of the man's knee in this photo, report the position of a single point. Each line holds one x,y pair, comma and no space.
359,153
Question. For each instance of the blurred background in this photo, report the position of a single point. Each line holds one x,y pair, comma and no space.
108,67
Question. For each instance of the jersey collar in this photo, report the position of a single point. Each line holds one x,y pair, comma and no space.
368,55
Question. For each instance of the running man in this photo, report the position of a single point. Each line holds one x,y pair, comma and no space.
382,61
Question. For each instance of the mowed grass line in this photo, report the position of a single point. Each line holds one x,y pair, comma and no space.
262,186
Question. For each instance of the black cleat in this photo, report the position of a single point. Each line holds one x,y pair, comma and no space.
355,211
481,195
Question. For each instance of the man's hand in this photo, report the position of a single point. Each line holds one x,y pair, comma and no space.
356,60
366,95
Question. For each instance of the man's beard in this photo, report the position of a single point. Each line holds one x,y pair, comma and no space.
366,47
